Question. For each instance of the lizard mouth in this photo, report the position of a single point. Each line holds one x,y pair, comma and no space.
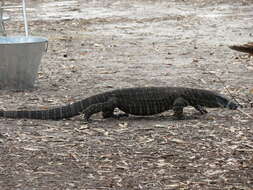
224,103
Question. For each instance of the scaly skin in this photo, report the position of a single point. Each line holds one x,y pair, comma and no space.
136,101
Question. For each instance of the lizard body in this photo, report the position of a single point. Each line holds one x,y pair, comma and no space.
136,101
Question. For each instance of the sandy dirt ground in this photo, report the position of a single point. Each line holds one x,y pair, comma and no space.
95,46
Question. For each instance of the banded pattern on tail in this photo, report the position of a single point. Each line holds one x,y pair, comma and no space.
56,113
53,113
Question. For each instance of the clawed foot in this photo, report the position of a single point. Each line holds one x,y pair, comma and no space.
86,119
199,115
179,116
118,116
201,110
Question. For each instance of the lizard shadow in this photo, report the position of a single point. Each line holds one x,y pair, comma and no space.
158,117
166,117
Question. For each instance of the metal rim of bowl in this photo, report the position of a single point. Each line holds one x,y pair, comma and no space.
35,39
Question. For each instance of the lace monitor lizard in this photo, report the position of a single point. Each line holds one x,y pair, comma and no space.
136,101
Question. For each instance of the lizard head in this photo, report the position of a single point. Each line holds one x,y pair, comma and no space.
224,102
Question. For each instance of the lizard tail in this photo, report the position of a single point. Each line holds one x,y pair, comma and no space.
57,113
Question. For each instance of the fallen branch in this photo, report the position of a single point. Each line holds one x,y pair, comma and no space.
223,83
248,115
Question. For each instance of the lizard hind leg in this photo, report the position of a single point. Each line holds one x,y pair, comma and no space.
106,107
178,107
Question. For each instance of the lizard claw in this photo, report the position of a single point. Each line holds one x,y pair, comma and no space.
118,116
179,116
87,119
201,110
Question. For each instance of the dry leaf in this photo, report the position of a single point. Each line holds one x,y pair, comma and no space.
176,140
82,127
125,124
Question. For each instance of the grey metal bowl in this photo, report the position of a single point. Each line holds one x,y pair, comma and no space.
20,58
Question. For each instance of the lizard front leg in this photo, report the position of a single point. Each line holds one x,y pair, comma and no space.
106,107
200,109
178,107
